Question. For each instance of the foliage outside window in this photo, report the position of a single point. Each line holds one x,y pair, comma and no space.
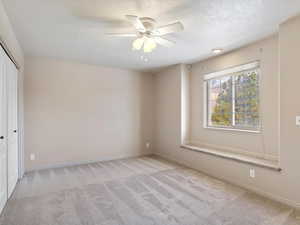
233,100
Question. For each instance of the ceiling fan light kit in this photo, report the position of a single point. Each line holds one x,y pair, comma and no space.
137,44
148,43
148,35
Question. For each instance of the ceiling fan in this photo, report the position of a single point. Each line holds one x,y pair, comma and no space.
147,34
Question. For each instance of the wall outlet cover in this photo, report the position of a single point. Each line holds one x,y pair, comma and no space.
252,173
32,156
298,120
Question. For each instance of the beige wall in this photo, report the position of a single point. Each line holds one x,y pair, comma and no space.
283,186
264,144
167,95
79,113
8,36
289,36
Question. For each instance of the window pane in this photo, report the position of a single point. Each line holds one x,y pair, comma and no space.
247,99
220,101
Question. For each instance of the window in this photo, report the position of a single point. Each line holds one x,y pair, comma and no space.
232,98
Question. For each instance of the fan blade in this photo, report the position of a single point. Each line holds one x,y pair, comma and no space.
137,23
170,28
120,35
100,21
164,42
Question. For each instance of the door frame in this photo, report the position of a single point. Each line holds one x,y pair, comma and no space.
20,118
4,144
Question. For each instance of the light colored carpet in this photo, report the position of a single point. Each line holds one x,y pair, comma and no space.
138,191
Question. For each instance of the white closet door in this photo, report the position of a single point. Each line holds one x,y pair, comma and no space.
12,130
3,132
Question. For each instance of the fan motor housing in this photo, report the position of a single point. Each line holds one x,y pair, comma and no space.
148,23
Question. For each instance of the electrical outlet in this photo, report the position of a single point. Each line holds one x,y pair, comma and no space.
32,156
252,173
298,120
147,144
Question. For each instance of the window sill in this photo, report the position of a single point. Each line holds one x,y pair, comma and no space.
268,164
232,129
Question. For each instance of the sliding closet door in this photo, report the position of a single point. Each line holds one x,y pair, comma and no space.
12,130
3,132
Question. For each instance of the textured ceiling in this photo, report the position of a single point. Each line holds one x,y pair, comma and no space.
74,29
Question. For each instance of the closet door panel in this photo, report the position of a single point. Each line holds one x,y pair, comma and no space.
12,130
3,132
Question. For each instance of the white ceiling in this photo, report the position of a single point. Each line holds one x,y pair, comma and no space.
74,29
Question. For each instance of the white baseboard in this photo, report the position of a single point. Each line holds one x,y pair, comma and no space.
78,163
277,198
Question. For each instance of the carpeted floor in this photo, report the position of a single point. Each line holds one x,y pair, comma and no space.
138,191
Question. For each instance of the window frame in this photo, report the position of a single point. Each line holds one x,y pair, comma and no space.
232,71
